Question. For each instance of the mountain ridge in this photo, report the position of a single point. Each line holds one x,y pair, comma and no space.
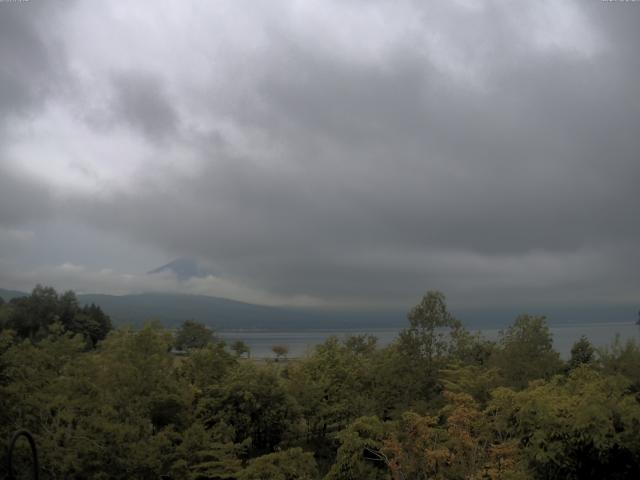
227,314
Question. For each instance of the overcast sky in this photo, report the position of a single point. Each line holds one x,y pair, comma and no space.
324,153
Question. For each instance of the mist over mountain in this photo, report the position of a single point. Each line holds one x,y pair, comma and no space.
183,269
7,295
225,314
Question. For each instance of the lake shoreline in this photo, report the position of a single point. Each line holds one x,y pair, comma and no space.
302,341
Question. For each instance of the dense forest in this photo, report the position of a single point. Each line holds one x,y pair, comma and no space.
438,403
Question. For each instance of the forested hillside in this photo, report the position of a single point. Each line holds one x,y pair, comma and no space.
438,403
171,309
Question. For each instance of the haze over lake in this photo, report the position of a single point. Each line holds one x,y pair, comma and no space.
302,342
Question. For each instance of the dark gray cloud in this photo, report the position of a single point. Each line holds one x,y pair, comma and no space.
32,60
22,200
141,101
32,68
307,152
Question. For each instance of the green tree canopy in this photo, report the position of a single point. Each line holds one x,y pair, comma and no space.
192,334
576,427
526,352
582,353
439,403
240,348
425,347
622,358
253,403
291,464
32,316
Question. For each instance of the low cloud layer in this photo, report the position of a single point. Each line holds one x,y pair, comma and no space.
325,153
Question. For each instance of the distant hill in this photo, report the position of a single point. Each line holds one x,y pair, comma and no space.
224,314
9,294
221,313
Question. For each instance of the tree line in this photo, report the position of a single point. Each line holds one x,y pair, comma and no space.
437,403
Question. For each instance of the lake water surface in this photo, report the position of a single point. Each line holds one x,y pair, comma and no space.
302,342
